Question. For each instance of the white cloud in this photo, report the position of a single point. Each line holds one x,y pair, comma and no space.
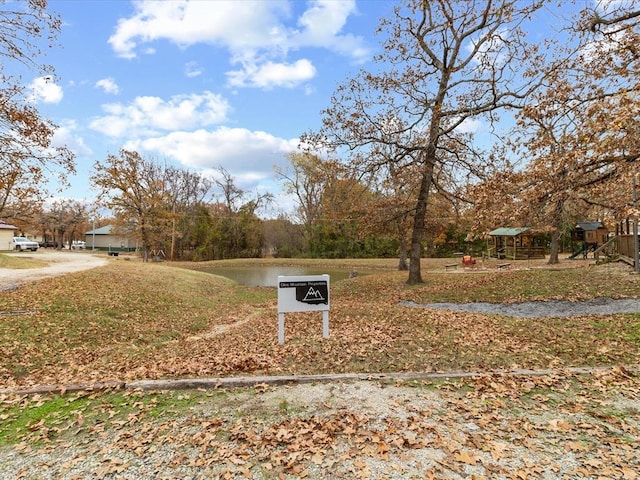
192,69
248,155
66,136
597,47
237,25
469,125
493,51
149,115
108,85
258,34
321,25
45,89
609,6
269,75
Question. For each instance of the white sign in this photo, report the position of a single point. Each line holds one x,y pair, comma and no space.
306,293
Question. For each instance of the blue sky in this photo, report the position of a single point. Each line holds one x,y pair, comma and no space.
202,84
207,83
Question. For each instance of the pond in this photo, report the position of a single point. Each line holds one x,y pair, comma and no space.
267,276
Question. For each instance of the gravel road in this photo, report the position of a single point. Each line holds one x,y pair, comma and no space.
552,427
59,263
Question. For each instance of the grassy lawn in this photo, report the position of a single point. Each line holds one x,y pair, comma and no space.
130,320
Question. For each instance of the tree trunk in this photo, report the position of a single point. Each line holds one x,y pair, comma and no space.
415,273
403,266
555,248
555,236
144,235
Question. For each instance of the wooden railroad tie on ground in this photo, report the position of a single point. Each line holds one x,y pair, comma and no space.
503,265
450,265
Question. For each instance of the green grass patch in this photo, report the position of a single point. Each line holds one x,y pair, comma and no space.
22,262
526,285
43,418
632,332
110,309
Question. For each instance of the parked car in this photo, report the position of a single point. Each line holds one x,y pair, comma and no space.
78,245
23,243
48,244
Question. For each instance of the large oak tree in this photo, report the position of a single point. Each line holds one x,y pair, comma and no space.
443,64
579,133
148,197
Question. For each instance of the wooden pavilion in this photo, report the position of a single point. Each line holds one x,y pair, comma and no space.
516,243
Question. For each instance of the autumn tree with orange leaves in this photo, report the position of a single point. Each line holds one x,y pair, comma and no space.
443,63
579,135
147,198
26,30
331,205
392,181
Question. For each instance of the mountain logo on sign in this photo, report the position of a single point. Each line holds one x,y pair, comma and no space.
313,295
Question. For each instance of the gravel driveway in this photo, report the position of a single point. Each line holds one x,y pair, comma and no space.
550,427
59,263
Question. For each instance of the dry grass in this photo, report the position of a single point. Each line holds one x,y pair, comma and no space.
22,262
130,321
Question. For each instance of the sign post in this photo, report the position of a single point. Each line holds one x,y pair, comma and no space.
306,293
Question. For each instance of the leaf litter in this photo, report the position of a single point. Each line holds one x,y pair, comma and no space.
494,426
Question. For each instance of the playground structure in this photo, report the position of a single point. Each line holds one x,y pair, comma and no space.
609,246
621,246
590,236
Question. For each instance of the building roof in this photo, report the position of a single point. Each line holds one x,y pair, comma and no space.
106,230
589,226
6,226
508,232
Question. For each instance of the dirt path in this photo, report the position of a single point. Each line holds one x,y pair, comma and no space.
59,263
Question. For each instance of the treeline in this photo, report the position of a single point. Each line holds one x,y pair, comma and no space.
191,217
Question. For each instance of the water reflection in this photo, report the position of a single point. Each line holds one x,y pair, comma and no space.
267,276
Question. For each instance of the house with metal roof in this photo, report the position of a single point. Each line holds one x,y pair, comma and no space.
519,243
107,238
